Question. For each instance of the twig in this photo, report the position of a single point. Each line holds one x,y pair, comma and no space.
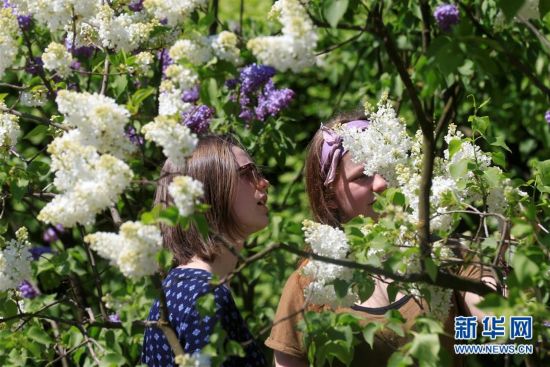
105,79
334,47
96,277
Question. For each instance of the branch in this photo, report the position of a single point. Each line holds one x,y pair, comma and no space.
428,143
163,324
443,279
38,119
96,277
105,79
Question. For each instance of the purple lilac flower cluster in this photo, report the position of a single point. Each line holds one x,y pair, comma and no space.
27,290
24,20
83,51
165,58
133,136
191,95
198,118
256,84
136,5
51,234
34,66
447,15
547,117
114,318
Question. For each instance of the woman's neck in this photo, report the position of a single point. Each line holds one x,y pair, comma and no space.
223,264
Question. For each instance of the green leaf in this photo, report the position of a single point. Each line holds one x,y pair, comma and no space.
480,123
431,268
38,131
425,347
334,10
340,287
206,304
499,158
38,334
369,331
500,142
459,169
202,224
524,268
113,359
398,359
454,147
510,7
544,7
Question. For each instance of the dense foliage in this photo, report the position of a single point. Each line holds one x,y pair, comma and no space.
94,95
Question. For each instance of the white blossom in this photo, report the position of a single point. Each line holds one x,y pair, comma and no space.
329,242
177,140
123,32
294,49
15,261
57,58
144,60
88,182
170,102
174,11
58,14
186,193
224,46
182,77
197,50
383,145
133,250
9,128
9,29
34,98
99,119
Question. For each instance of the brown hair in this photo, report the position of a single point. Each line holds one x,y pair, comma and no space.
213,163
322,199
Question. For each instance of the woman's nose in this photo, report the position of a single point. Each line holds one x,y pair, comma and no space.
262,184
379,184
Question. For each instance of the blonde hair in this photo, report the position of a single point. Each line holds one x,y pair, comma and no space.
213,163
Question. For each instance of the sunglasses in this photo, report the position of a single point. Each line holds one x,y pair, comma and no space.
251,172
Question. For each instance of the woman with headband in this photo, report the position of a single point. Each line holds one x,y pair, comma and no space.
339,191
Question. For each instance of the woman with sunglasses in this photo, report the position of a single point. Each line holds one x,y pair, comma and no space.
237,195
339,191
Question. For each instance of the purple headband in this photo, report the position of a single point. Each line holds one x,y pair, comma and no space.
333,151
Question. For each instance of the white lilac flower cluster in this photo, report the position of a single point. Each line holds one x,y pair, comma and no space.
34,98
126,31
186,193
9,128
88,182
383,145
199,50
9,28
174,11
133,250
330,242
144,60
196,359
177,140
99,120
294,49
15,261
57,58
58,14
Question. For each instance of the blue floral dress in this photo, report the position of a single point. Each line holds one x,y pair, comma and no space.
182,288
